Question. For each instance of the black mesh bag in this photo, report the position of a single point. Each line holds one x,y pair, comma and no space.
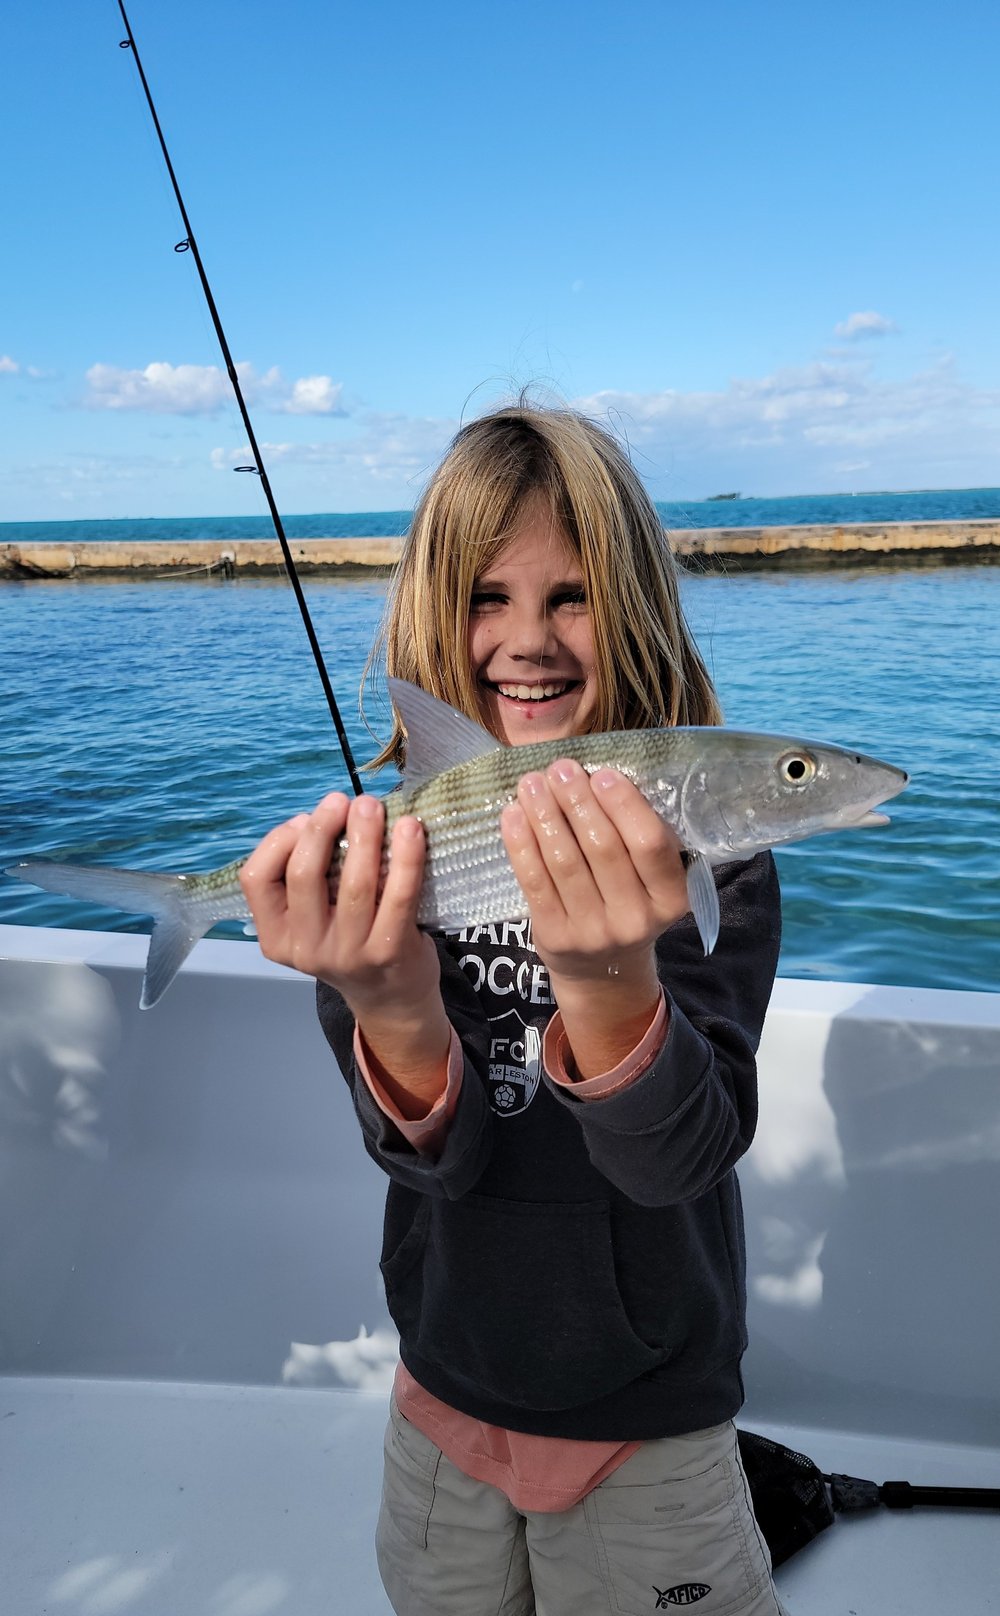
789,1494
794,1500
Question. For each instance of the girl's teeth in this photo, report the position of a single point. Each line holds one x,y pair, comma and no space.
530,692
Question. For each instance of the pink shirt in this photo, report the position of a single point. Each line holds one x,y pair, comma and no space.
535,1472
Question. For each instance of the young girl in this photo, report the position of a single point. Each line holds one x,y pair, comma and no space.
559,1104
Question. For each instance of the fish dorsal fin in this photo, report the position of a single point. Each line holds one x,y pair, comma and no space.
438,737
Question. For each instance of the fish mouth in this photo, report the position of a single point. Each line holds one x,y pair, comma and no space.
891,781
534,694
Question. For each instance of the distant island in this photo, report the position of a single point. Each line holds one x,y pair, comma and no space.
712,497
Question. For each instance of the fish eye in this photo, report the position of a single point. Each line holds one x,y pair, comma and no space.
797,768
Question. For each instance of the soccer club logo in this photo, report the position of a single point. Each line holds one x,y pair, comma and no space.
515,1064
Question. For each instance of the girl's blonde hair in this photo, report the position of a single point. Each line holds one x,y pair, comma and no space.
649,672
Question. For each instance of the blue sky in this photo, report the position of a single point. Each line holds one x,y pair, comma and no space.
758,237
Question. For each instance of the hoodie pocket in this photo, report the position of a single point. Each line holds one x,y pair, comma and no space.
520,1301
403,1242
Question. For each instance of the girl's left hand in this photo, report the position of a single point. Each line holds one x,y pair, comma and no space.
601,871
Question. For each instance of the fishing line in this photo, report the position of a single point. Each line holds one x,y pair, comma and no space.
189,244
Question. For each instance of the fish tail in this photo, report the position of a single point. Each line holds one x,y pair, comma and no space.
178,923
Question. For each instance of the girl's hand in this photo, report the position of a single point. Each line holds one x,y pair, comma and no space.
601,871
363,943
603,878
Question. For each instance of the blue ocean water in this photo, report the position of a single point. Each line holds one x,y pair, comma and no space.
933,505
169,725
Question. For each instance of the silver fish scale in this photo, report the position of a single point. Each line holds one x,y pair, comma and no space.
217,892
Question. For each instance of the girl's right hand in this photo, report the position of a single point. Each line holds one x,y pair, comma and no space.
363,943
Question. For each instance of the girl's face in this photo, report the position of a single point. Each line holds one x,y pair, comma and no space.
530,641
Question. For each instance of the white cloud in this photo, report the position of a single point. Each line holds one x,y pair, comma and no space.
780,421
867,324
314,395
390,449
165,389
162,388
13,367
90,480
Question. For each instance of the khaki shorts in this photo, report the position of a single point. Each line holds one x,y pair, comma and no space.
673,1526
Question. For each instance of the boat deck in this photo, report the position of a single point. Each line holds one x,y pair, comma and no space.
138,1499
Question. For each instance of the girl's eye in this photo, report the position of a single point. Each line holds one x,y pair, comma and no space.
483,599
571,597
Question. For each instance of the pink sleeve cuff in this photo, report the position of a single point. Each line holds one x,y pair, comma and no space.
557,1058
427,1134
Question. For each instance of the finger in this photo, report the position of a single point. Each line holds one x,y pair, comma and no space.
307,876
400,901
653,847
361,870
315,847
522,848
263,875
611,873
523,830
263,881
557,838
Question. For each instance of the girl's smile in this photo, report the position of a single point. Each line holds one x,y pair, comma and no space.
530,641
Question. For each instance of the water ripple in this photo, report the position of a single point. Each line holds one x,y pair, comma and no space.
169,725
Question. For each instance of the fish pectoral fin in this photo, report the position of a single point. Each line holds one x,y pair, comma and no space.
438,737
703,898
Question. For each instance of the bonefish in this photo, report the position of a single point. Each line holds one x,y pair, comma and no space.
728,794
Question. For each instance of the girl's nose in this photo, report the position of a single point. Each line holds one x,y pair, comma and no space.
531,635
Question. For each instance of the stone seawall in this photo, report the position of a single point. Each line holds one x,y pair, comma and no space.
700,549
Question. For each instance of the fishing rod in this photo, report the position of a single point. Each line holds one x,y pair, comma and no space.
189,244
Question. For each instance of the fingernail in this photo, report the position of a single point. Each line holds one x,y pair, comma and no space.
409,828
513,817
366,806
604,779
533,785
564,769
